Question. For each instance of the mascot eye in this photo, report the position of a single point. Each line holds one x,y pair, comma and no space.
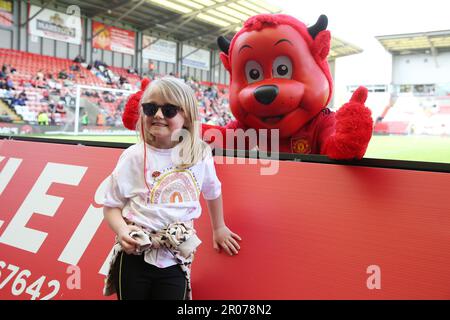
253,71
282,68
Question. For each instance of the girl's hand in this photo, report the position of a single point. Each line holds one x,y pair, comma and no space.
128,244
225,239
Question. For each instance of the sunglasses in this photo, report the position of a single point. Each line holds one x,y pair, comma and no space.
168,110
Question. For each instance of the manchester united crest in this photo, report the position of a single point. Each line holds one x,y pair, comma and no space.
301,145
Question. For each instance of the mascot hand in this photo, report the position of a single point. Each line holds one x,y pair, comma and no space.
130,114
353,129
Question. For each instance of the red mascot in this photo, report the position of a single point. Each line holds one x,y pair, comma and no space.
280,79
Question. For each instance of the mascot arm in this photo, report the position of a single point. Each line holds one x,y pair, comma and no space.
353,129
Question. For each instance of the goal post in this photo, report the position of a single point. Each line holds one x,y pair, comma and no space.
99,110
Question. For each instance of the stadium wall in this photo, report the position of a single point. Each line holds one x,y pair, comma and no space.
421,68
6,38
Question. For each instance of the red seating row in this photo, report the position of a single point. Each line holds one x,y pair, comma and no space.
29,64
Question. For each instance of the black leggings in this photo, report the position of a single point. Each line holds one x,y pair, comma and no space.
139,280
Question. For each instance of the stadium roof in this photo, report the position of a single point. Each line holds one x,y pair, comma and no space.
198,22
421,42
341,48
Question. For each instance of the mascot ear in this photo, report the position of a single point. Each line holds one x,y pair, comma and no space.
321,45
225,61
224,45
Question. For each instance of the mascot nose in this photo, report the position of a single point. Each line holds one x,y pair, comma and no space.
266,94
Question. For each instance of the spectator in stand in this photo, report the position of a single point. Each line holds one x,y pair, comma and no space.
17,100
131,70
6,70
111,76
122,80
52,119
85,119
45,96
100,119
51,107
40,84
75,67
23,95
98,63
3,72
62,75
42,118
40,75
9,84
109,120
60,108
127,86
79,59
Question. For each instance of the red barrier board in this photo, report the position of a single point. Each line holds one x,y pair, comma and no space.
311,231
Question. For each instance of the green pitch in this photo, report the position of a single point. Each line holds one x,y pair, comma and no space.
415,148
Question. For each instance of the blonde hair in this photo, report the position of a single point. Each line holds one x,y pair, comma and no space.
191,148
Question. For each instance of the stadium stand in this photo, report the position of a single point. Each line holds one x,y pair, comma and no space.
416,115
36,80
419,84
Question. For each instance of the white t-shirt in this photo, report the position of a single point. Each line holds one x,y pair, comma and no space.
173,197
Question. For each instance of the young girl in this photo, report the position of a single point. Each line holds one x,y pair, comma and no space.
153,197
